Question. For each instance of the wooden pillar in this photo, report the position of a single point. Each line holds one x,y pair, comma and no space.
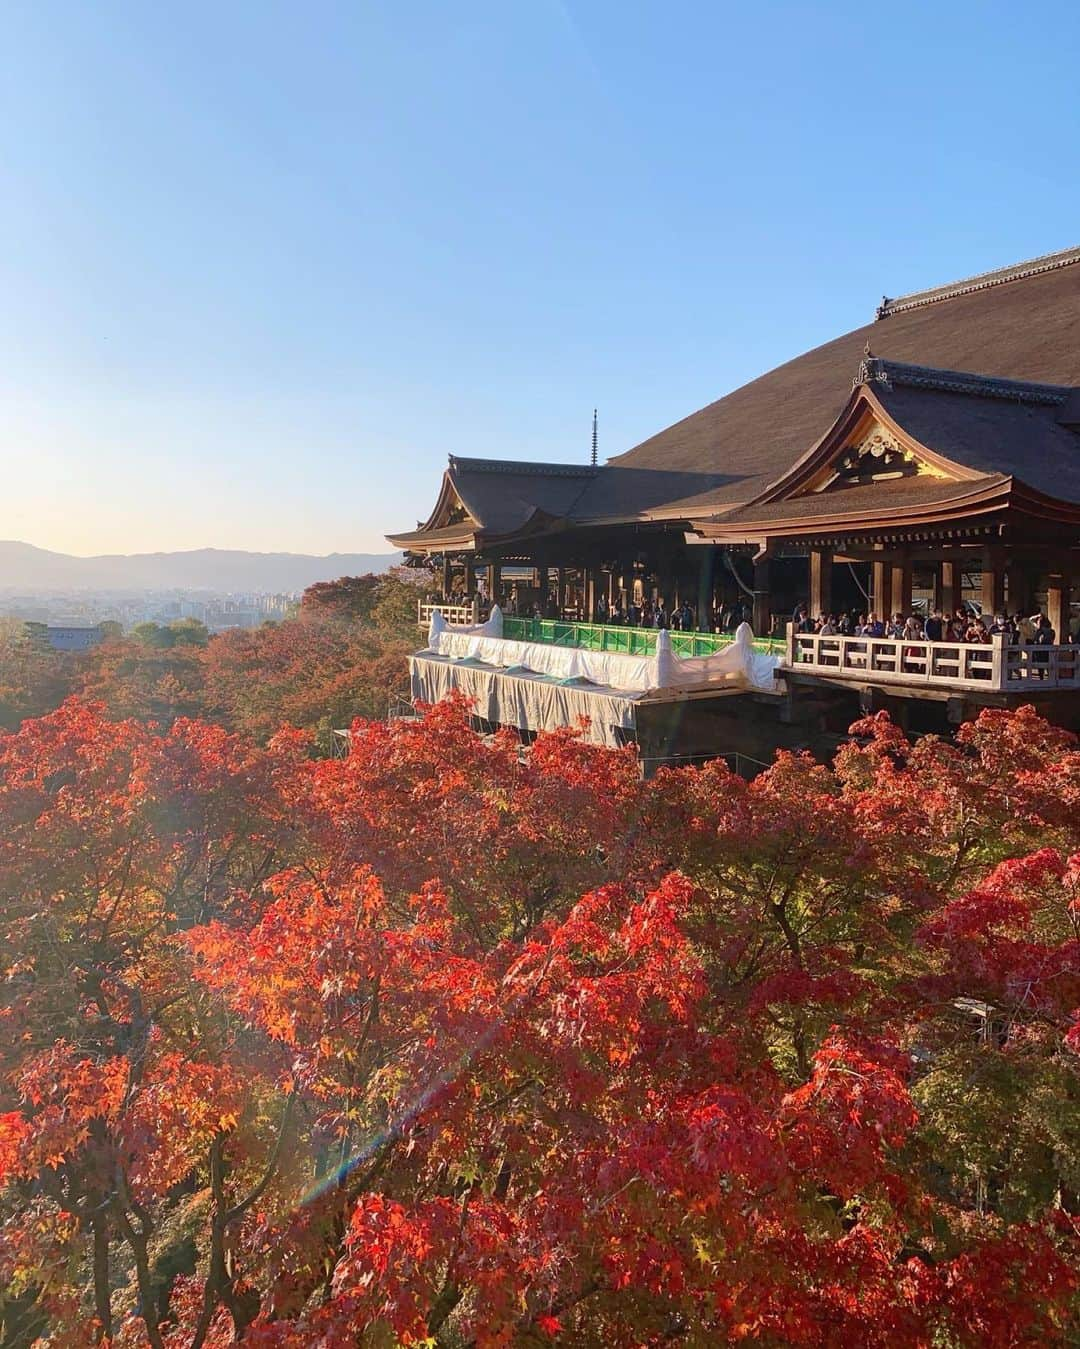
900,586
592,594
494,582
821,564
542,589
948,586
762,620
560,590
470,578
1018,587
993,581
880,582
1058,597
706,573
447,576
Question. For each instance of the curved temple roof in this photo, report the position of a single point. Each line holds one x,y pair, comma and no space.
984,372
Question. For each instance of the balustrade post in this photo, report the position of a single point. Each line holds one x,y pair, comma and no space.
790,634
998,668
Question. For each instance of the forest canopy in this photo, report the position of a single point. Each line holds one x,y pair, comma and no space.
441,1044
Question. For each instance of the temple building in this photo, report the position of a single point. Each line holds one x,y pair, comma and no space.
930,458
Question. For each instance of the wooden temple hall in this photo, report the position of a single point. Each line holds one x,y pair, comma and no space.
929,460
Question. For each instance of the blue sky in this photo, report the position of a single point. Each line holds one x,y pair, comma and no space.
264,266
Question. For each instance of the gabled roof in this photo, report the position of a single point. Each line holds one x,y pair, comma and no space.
498,498
986,424
960,443
1020,423
1021,323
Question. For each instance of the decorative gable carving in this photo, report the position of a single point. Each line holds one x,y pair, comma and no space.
876,456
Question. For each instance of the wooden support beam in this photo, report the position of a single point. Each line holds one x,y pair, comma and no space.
880,589
591,579
821,565
948,587
1058,599
993,580
900,586
447,577
706,574
1018,586
762,617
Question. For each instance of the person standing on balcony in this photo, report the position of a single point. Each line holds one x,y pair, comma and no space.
934,626
1044,636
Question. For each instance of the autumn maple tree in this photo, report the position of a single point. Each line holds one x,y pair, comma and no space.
445,1044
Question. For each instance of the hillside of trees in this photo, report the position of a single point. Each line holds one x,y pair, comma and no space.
343,655
439,1045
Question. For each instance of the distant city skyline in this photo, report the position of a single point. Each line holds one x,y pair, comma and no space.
265,267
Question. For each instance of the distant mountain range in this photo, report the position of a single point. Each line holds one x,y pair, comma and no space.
28,569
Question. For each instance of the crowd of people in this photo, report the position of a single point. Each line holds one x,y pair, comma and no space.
654,613
938,626
961,626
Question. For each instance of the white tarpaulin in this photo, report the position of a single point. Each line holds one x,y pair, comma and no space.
531,702
736,665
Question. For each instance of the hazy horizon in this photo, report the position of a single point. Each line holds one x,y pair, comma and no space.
204,548
264,269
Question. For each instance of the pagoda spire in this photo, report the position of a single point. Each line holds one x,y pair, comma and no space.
593,460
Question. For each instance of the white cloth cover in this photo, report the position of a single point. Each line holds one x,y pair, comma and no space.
491,627
736,665
529,702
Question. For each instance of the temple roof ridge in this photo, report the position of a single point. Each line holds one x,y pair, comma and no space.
881,370
1047,262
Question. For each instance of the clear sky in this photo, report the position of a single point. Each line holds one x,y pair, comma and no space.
265,265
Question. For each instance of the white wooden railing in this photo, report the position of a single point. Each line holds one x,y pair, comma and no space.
995,667
462,614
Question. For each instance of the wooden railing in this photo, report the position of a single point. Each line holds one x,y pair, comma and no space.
996,667
461,614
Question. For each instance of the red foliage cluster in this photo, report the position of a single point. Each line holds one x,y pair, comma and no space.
439,1045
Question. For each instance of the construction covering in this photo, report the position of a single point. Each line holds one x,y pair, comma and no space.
538,686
